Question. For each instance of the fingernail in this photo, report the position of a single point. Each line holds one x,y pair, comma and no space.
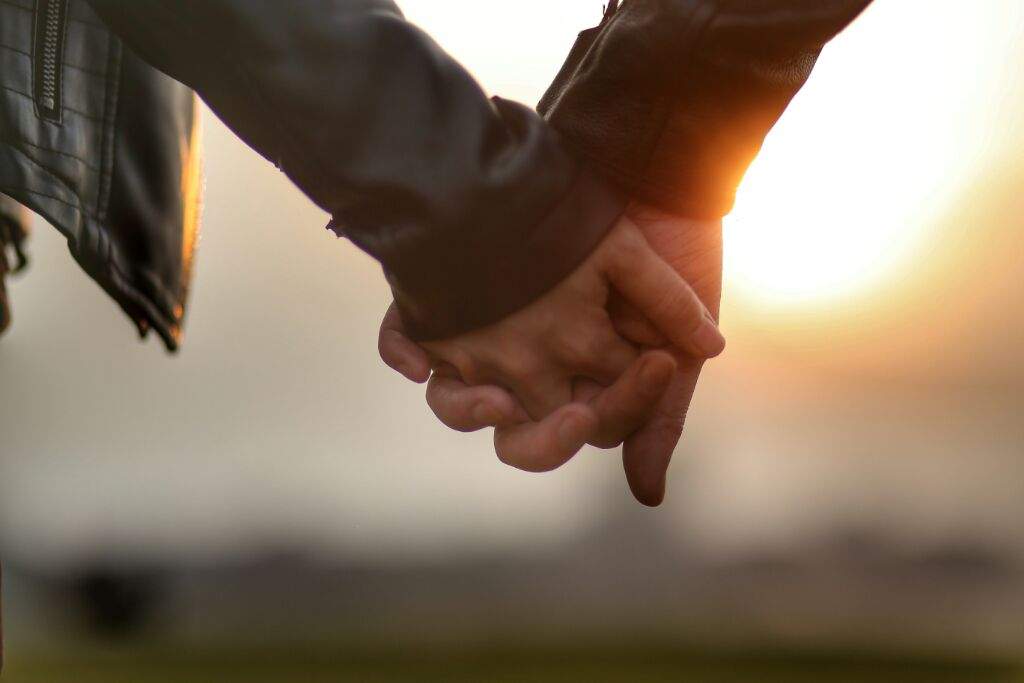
708,339
485,414
572,432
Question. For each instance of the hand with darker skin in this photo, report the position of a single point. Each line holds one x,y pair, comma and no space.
694,249
640,409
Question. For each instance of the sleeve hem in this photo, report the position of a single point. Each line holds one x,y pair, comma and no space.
499,281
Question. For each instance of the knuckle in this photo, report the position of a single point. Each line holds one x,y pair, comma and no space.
504,457
466,364
508,454
580,347
527,459
444,406
521,364
591,343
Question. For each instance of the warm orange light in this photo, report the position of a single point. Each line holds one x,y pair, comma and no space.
878,146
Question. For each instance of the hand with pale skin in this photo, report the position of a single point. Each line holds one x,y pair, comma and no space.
646,407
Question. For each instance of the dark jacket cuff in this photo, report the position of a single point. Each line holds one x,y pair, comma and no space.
672,100
472,284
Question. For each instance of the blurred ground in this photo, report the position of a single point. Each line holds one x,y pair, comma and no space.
594,663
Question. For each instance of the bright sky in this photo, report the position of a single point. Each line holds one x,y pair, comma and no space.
875,150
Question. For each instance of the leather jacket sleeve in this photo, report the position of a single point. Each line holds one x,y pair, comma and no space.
473,206
672,99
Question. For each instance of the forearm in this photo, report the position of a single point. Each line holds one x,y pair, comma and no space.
673,100
472,206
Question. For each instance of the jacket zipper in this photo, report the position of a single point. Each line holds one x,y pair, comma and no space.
51,24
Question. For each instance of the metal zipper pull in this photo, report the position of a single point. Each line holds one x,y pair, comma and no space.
48,56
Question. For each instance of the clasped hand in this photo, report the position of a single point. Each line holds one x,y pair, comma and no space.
615,348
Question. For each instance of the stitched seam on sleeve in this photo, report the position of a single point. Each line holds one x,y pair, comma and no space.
70,190
111,89
67,65
77,20
15,141
91,117
76,207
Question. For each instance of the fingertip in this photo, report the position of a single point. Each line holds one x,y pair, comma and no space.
412,369
417,365
651,499
646,458
413,372
648,491
708,339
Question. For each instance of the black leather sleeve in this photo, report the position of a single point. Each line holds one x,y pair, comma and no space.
672,99
472,205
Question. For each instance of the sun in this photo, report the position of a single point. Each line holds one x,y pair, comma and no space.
857,175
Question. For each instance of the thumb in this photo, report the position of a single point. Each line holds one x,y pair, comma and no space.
650,284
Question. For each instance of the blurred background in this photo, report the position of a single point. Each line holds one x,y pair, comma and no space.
275,504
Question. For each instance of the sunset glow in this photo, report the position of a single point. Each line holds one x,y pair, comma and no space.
830,209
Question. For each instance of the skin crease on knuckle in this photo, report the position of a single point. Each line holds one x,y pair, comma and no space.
582,345
516,359
681,306
624,249
465,363
543,391
591,347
